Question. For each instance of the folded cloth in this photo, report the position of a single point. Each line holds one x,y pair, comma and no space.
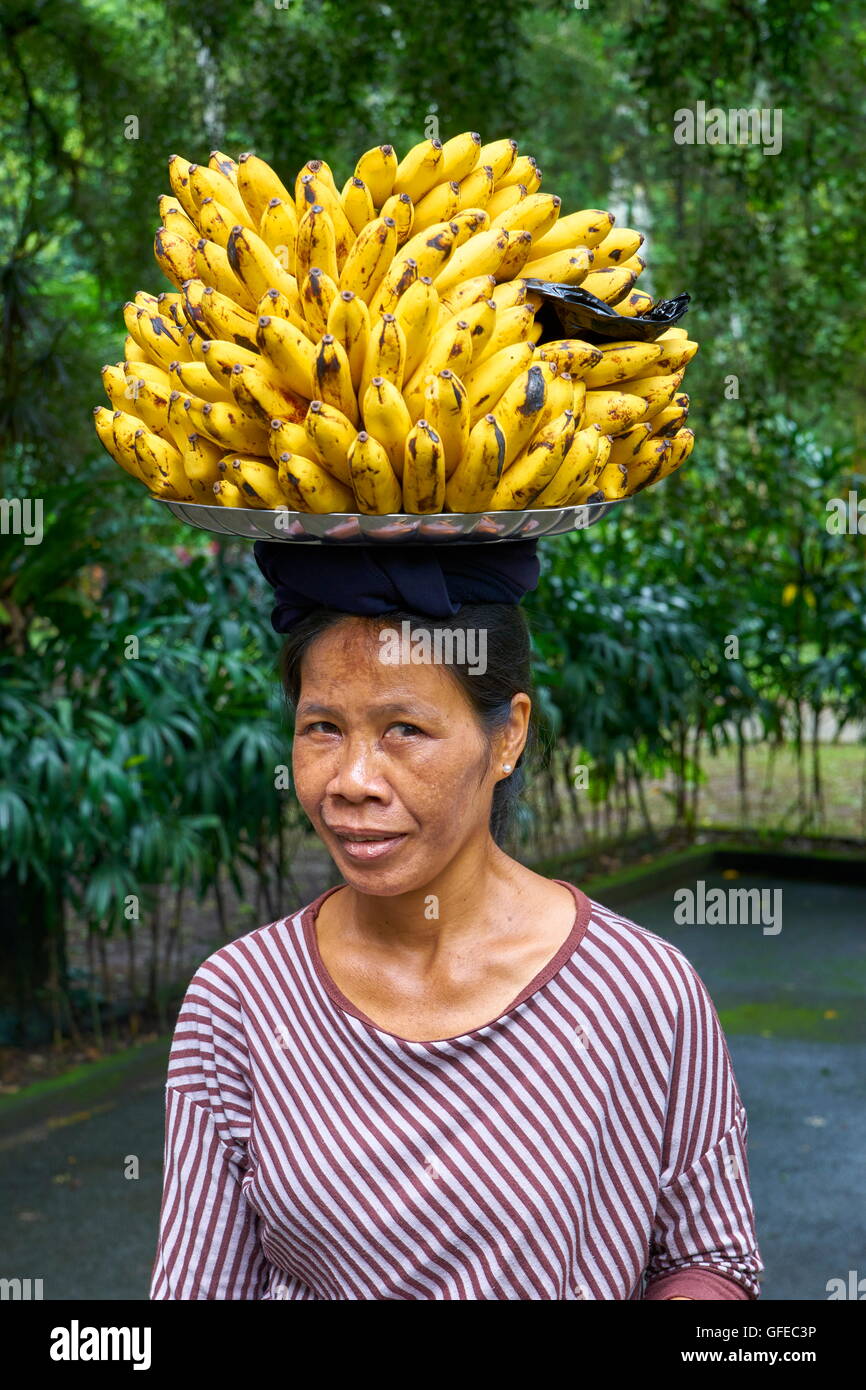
433,581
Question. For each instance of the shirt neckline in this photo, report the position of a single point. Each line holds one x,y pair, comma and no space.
583,912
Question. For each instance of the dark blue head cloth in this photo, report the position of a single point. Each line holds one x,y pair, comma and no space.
432,580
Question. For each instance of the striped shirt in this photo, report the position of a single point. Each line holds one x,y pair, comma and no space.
588,1143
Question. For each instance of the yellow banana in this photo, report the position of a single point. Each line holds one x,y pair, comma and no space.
257,185
446,408
504,197
321,175
682,445
256,266
178,177
419,170
475,479
386,353
401,208
417,312
500,155
621,361
644,465
257,481
423,470
227,495
563,392
318,293
256,394
215,222
535,214
588,228
133,352
288,437
612,482
675,356
635,263
125,456
170,306
331,435
162,458
220,358
313,485
624,446
200,459
517,251
524,170
174,219
451,347
194,379
436,206
519,409
213,268
378,167
369,258
562,267
374,482
357,203
333,377
535,466
608,285
290,352
175,256
400,275
386,416
468,293
570,355
205,182
220,316
676,333
429,250
194,343
466,223
617,247
480,318
476,190
486,382
278,229
460,155
481,255
322,192
613,411
349,321
635,303
672,418
224,164
656,391
512,326
509,294
227,425
573,471
162,339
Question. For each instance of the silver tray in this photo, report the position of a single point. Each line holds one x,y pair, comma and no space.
357,528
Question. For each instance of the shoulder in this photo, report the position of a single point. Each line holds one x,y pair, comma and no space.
637,959
228,974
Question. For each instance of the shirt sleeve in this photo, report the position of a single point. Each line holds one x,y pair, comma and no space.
208,1245
703,1242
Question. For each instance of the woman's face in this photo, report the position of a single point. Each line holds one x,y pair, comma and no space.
393,752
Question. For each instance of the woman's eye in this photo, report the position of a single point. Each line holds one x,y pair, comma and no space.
413,728
318,724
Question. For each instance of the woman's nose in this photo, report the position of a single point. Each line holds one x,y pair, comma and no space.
357,772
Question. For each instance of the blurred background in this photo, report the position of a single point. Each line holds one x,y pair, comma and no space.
700,654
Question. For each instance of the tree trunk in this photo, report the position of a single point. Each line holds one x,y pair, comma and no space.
25,962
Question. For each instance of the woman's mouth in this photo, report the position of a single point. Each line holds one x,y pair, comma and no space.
364,845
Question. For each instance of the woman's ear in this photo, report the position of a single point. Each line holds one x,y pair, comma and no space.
512,739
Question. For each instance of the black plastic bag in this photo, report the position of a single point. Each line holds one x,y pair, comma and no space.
568,311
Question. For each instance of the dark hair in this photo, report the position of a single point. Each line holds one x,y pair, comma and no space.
508,672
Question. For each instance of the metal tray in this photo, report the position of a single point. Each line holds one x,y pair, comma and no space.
356,528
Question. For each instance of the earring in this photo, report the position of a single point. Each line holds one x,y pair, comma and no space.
506,767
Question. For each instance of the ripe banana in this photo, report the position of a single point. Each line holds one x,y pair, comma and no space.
278,229
436,206
256,394
386,417
523,170
535,466
378,167
419,170
317,489
119,451
657,392
349,322
675,356
286,437
227,495
374,482
613,411
316,245
562,267
519,410
621,361
481,255
174,255
402,209
227,425
535,214
451,347
401,274
257,185
512,326
256,266
386,353
258,482
331,434
205,182
213,268
612,482
474,480
617,247
446,408
333,379
417,312
318,293
486,382
626,445
369,258
645,464
178,177
460,155
682,445
588,228
609,285
465,223
573,471
569,354
476,190
423,470
357,203
290,352
635,303
500,155
194,379
200,464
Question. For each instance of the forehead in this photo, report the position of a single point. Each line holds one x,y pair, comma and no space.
344,665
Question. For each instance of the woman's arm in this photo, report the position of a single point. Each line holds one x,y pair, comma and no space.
208,1246
703,1243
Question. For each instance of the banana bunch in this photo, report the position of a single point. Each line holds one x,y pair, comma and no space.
373,347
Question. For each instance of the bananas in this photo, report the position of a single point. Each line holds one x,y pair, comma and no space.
375,346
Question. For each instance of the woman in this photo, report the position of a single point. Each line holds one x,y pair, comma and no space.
448,1077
